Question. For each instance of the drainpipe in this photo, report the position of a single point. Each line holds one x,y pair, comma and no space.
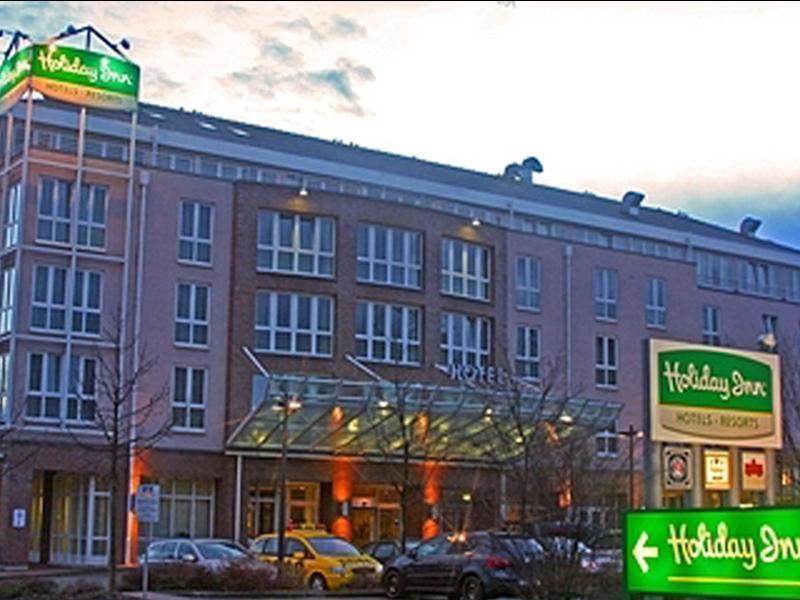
568,314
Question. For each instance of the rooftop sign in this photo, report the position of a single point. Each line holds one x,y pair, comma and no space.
71,75
731,553
704,394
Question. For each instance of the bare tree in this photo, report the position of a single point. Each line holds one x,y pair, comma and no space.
125,421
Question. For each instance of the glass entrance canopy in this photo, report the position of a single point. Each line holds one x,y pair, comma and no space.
377,419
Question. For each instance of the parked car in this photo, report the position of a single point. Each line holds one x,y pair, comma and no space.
607,551
569,549
211,554
328,562
385,551
472,566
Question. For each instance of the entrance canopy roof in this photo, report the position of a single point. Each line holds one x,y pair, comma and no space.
376,419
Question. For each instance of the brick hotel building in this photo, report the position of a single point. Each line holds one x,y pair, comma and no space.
347,274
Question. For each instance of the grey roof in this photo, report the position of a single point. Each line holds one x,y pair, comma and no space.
188,122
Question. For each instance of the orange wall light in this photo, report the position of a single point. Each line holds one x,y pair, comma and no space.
342,480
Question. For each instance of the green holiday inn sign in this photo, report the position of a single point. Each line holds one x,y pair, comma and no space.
731,553
71,75
707,394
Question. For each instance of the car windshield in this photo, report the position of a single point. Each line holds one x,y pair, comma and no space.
214,550
332,546
521,545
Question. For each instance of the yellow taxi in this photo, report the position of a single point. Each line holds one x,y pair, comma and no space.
328,562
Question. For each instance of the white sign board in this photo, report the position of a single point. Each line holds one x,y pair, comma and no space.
717,469
18,518
148,497
754,471
678,468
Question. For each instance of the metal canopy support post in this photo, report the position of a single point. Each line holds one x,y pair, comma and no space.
237,505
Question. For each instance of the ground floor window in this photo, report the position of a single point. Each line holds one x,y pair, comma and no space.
186,510
80,521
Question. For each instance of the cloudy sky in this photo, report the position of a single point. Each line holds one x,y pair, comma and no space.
695,104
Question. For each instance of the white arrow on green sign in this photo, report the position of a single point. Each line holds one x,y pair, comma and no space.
731,553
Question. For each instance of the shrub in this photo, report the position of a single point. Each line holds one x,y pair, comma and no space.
31,589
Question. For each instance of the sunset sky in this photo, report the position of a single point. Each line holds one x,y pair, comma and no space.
695,104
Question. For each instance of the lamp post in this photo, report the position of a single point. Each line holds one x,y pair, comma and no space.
287,406
632,434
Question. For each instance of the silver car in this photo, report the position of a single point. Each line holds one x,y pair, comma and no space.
210,554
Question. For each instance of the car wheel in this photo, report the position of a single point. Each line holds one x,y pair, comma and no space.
317,583
471,588
393,584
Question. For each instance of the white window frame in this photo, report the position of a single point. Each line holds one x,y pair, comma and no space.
606,362
50,389
606,294
270,329
87,310
12,215
5,362
82,391
527,361
382,333
189,404
714,270
8,283
195,322
49,304
712,325
171,499
794,285
476,354
61,188
392,270
193,241
655,310
757,277
457,280
269,250
528,279
607,441
88,226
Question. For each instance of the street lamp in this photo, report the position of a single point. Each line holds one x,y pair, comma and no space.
287,406
632,434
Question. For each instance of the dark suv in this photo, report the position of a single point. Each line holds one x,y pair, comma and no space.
471,566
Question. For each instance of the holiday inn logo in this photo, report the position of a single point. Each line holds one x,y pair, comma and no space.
701,394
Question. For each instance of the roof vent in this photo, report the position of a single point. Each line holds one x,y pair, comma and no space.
749,226
631,202
523,173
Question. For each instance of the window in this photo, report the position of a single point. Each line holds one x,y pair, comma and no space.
294,324
528,351
43,397
49,298
656,303
81,401
794,285
757,278
528,282
7,286
713,270
711,325
295,244
465,269
92,216
605,362
186,509
189,398
52,224
12,215
605,295
389,256
464,340
191,314
607,441
388,333
194,240
4,406
86,302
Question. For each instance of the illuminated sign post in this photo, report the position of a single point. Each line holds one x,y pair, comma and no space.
731,553
71,75
708,395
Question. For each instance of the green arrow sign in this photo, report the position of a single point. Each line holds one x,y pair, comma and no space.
731,553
